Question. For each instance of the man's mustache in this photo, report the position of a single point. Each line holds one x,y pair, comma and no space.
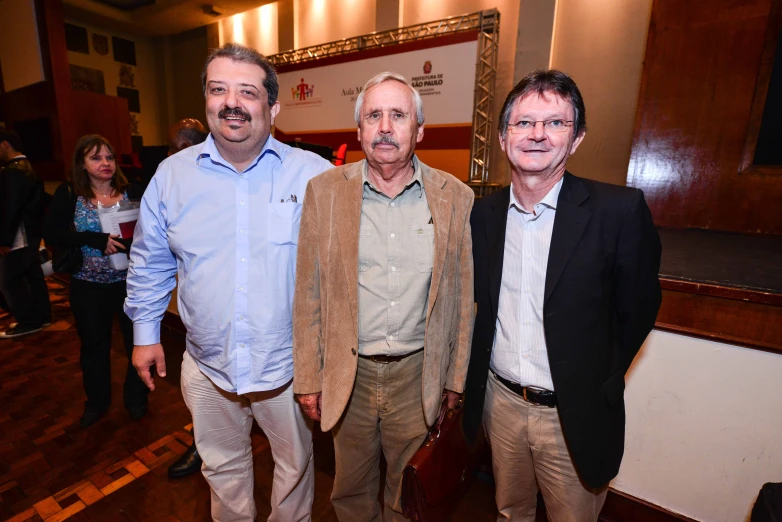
385,138
235,112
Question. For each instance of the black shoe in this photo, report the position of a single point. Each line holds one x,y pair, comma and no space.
137,413
19,331
90,417
187,464
44,324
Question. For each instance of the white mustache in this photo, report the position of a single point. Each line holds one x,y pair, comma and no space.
385,139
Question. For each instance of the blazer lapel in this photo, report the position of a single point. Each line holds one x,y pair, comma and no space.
570,222
495,224
347,220
440,209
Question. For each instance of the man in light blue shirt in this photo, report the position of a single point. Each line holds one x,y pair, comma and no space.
224,217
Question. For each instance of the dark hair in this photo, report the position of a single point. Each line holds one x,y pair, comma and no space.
241,53
13,139
540,82
190,135
79,176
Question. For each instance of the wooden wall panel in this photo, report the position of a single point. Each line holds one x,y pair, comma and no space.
104,115
702,63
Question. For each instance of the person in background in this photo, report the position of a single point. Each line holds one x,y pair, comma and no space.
22,202
567,289
183,134
97,291
224,216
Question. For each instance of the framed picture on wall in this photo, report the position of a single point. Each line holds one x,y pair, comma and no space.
124,50
131,95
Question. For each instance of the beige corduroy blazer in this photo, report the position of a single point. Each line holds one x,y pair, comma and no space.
325,307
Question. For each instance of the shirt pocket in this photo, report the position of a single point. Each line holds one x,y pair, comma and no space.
423,245
365,248
282,223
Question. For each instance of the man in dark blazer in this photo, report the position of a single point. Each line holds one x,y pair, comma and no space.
567,289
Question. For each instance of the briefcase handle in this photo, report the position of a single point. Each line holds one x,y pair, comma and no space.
434,433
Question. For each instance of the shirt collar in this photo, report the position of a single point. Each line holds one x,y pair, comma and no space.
550,199
209,150
417,177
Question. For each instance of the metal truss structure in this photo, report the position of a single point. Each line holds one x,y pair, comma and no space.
486,22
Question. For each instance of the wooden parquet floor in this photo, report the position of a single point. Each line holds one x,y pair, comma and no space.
116,470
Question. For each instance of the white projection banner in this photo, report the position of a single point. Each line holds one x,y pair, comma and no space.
322,98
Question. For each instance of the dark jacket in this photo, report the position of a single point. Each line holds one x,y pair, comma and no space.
602,294
23,201
58,232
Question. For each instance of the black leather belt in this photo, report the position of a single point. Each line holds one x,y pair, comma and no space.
385,359
530,394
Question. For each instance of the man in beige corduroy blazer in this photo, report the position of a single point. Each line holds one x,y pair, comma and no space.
383,308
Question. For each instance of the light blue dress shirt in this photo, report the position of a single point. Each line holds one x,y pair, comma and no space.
231,238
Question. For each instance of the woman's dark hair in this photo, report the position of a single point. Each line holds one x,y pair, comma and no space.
540,82
79,177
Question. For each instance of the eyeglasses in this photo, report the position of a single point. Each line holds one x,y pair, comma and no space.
527,126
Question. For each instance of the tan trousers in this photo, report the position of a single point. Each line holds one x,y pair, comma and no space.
529,452
385,413
221,425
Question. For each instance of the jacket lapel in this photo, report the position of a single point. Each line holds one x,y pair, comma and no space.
495,224
347,220
570,222
440,209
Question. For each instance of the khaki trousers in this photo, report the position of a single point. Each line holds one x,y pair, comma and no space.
529,452
385,412
221,425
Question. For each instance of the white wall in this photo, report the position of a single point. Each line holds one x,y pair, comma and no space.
256,28
704,426
20,49
601,44
145,79
320,21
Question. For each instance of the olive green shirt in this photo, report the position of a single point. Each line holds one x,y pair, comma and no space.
395,258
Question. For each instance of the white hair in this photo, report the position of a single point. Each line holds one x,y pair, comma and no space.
389,76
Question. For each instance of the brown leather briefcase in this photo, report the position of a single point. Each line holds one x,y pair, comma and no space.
440,471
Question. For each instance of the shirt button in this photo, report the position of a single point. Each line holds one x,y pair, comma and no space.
241,176
390,337
393,204
241,318
241,230
242,259
420,231
242,345
393,269
393,235
393,303
241,289
241,202
353,351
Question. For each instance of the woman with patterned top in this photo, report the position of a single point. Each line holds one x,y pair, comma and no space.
97,290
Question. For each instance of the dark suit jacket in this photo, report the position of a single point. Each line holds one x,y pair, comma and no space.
602,294
22,200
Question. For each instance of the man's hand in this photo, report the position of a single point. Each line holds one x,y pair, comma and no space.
4,250
310,402
453,398
144,357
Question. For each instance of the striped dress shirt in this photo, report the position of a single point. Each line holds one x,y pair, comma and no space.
519,353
